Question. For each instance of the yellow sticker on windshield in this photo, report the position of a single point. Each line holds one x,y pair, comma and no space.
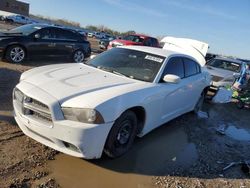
152,58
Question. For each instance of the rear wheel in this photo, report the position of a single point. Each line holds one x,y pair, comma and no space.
15,54
78,56
122,135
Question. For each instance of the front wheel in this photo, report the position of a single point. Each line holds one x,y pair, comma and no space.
78,56
15,54
122,135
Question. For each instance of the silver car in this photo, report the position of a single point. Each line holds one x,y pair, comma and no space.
223,70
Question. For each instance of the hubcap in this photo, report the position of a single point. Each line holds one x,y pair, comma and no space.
124,133
79,57
17,54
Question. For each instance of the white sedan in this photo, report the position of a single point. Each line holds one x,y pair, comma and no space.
86,109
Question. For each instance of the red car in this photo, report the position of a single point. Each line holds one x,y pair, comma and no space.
135,39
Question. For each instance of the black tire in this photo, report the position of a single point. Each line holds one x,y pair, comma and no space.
15,54
199,103
240,104
78,56
117,142
88,52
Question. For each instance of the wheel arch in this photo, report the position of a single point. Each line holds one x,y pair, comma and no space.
13,44
140,113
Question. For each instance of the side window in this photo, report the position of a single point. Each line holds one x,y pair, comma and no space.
191,67
65,35
147,42
174,66
46,34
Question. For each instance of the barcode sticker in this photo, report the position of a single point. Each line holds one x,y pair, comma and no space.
152,58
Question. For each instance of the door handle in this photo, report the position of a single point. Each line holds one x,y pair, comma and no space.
52,45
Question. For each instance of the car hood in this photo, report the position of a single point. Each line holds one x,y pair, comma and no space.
125,42
67,81
9,35
219,72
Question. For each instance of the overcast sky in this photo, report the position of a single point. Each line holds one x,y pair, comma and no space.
224,24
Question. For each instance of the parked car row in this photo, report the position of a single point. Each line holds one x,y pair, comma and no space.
39,40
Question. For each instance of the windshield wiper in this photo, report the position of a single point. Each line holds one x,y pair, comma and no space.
112,71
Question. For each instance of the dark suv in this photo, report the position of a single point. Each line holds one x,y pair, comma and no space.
35,40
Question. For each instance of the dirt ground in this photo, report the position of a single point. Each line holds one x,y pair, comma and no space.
190,151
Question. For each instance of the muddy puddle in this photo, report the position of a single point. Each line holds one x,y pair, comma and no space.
238,133
166,147
233,131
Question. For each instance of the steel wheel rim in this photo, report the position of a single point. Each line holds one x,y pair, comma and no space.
124,133
79,57
17,54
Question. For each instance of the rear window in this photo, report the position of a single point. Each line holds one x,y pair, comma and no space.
175,67
134,38
191,67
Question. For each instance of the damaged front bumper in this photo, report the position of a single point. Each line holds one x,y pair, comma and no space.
70,137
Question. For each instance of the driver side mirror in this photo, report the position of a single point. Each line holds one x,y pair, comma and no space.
37,36
170,78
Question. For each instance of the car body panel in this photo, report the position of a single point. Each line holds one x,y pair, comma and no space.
222,77
122,42
49,47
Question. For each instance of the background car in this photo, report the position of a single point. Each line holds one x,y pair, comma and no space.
103,43
135,40
20,19
222,70
90,34
36,40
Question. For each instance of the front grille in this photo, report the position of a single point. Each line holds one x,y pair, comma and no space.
32,108
216,78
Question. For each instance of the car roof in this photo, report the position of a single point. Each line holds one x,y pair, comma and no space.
141,35
48,25
229,59
157,51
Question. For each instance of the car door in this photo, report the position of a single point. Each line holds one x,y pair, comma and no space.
66,42
195,81
175,95
42,43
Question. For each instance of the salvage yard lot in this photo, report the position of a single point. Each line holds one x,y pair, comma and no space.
186,152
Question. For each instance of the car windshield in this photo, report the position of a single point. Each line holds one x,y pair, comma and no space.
223,64
134,38
130,63
25,29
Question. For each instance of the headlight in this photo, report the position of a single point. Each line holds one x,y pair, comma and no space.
84,115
